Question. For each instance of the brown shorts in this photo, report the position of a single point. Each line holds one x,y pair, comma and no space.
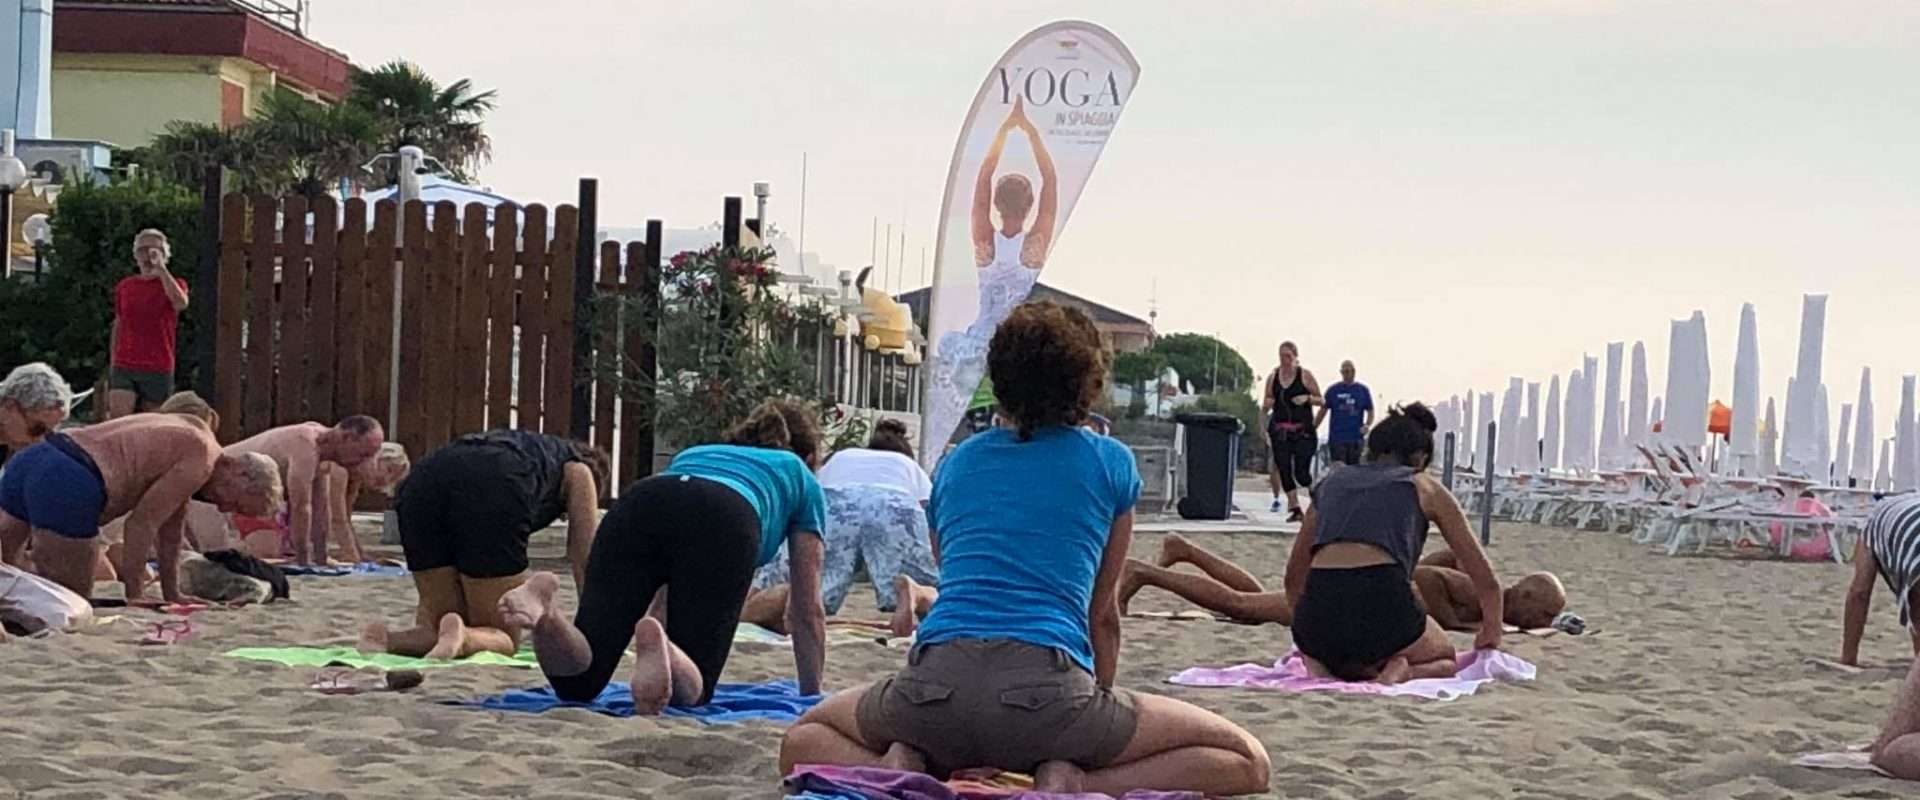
997,703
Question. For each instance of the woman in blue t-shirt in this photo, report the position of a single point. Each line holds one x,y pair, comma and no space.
701,527
1014,667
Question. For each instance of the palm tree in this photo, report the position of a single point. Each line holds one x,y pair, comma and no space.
183,151
413,109
315,145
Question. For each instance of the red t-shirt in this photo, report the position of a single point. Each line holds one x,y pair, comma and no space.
143,324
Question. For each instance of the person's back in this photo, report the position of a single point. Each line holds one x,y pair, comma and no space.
1021,527
1375,504
860,466
777,483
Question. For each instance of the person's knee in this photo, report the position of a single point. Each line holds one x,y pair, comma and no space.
1258,770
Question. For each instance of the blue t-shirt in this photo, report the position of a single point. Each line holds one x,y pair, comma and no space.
1022,527
775,482
1347,407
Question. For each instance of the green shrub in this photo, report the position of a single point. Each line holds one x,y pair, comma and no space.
66,318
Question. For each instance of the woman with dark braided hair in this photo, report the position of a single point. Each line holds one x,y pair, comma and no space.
701,528
1014,667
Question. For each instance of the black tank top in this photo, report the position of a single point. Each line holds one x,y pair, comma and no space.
543,474
1374,504
1284,410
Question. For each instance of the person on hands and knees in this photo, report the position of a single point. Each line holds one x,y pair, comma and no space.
674,560
1890,551
145,467
465,513
1014,667
33,401
1349,580
306,453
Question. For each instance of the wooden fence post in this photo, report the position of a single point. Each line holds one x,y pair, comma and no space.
586,247
207,276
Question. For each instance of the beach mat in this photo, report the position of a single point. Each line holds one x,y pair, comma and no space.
349,657
773,701
1289,674
365,568
749,633
1856,759
820,782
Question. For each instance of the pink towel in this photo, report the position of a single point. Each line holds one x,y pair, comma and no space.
1290,675
822,782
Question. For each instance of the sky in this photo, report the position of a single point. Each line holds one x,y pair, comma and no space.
1448,193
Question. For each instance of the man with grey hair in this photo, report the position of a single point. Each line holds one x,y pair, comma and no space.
33,399
146,317
144,467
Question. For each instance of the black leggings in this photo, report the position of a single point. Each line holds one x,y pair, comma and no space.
692,534
1353,620
1293,458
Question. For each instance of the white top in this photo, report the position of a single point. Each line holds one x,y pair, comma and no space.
862,467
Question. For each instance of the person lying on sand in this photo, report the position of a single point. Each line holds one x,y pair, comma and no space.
1014,668
301,451
876,497
672,563
1889,550
1224,588
145,467
1349,580
1448,595
465,514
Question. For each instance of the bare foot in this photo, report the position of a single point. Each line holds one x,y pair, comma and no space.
453,637
1397,670
373,638
530,601
905,622
1059,777
1174,549
903,757
652,668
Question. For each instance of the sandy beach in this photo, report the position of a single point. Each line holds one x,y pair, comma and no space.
1694,684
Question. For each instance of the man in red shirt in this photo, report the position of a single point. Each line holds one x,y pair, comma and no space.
146,314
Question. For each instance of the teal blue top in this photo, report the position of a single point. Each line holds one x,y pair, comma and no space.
1023,527
775,482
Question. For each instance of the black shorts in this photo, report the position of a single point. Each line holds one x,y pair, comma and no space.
1347,453
466,506
149,389
1353,620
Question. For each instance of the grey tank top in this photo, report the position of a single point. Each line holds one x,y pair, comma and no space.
1374,504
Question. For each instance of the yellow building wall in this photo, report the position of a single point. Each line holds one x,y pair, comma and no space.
126,99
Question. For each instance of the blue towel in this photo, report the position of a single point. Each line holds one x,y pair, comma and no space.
775,701
342,570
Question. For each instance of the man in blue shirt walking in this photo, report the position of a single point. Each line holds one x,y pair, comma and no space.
1351,406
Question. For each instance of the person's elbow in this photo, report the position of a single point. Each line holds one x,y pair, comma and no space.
1105,617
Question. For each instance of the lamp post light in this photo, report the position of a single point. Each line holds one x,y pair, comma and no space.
761,191
39,233
13,175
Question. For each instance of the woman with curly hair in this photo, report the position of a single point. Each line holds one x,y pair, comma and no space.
701,528
1014,666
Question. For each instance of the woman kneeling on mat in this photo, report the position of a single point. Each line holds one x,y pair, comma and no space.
700,529
1350,578
1014,667
465,514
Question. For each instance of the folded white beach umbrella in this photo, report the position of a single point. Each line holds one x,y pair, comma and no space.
1843,447
1486,449
1770,443
1883,477
1904,451
1530,431
1638,425
1744,443
1863,440
1802,447
1687,382
1612,442
1550,438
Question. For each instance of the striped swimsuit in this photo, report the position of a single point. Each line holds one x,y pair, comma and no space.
1893,536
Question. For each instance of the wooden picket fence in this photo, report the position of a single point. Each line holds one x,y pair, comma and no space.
306,301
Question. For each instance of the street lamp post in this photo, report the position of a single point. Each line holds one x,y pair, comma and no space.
13,174
40,234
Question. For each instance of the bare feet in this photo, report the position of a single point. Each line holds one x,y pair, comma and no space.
905,621
1059,777
1396,671
904,758
526,604
373,638
652,668
1174,549
453,637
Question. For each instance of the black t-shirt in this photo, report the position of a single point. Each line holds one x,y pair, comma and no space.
543,476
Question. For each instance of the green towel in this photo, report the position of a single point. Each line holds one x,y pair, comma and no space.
324,656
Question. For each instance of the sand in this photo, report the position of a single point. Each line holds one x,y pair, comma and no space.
1695,685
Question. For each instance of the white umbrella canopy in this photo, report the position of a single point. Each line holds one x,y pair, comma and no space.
1863,440
1843,447
1744,443
1612,441
1770,444
1904,446
1550,444
1802,446
1638,426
